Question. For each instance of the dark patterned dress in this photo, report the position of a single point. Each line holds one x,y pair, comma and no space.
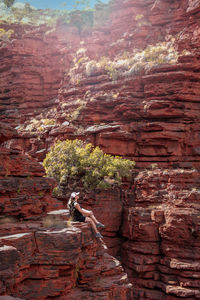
75,213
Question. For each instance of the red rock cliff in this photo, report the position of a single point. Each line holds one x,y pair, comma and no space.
107,85
42,254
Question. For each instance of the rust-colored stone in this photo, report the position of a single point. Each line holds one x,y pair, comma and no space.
151,117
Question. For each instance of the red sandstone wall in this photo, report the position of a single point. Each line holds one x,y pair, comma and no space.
32,67
149,117
156,113
42,254
162,231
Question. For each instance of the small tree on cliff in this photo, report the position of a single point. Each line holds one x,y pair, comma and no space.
75,161
8,3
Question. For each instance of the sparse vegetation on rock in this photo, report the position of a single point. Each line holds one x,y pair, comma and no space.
8,3
80,16
140,61
38,125
5,36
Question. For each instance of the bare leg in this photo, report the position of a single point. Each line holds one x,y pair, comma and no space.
89,220
89,213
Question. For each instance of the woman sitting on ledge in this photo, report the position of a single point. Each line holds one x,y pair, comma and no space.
83,215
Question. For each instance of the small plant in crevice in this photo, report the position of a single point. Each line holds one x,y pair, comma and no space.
74,114
154,166
19,190
5,36
76,273
41,194
38,125
139,17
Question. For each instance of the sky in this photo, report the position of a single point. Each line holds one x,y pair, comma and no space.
56,4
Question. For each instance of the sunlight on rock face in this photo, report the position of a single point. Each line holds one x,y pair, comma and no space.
124,78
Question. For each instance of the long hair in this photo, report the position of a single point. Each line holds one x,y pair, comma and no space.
69,202
70,206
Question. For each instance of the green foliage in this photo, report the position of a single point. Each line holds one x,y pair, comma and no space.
112,71
75,160
8,3
128,64
36,17
105,64
81,16
5,36
73,114
109,66
41,194
39,125
48,121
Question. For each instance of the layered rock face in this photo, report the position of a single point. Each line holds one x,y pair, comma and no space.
149,115
42,254
162,235
66,263
111,88
33,61
25,193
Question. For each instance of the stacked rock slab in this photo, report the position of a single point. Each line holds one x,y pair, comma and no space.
162,231
44,256
63,263
25,193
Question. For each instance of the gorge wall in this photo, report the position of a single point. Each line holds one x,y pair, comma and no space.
129,84
42,254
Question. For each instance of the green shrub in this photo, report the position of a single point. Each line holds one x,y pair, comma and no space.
77,161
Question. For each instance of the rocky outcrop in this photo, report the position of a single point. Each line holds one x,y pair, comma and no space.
147,111
101,203
63,263
42,253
